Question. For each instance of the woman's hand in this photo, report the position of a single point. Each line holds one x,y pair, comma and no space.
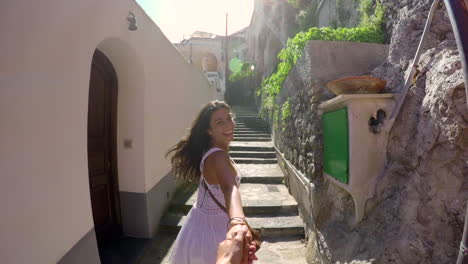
252,251
232,250
248,255
249,248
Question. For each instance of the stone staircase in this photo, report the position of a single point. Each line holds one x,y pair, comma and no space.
267,204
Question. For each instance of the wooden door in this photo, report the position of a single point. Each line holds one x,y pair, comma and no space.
103,183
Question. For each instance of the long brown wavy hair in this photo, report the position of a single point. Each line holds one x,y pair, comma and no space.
188,152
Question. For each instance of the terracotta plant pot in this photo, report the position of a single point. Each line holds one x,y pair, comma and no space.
356,85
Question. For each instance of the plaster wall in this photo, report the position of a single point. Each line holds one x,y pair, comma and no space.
46,52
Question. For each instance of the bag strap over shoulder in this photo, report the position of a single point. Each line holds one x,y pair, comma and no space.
256,236
213,197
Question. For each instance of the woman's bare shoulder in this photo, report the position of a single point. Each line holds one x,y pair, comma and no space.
217,159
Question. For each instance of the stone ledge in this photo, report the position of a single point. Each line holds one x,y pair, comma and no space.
268,226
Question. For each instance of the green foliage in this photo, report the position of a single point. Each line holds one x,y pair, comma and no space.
276,118
271,86
365,7
245,72
285,111
296,3
372,14
370,30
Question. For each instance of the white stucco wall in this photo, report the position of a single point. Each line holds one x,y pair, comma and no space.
46,51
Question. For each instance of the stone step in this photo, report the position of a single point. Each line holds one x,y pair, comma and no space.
263,179
252,127
274,250
243,110
258,123
268,226
259,135
251,130
244,128
259,170
246,113
251,134
246,116
252,139
257,200
253,154
251,146
260,173
255,161
251,122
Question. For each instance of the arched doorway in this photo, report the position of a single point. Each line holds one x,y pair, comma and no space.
102,157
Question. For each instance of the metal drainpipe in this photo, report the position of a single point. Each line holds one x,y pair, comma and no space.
458,13
410,76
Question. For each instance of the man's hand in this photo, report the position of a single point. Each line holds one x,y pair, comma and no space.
230,251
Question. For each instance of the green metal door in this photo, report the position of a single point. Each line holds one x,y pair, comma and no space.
336,144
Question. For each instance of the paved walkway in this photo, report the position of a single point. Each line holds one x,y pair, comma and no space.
267,204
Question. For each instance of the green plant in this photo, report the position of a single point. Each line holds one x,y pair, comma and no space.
285,111
372,14
370,30
296,3
245,72
276,118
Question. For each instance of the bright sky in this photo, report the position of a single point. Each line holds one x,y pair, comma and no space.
177,18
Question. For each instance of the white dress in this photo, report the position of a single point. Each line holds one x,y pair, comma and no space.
205,227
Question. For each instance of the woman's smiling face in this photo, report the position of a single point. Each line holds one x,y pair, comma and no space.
221,127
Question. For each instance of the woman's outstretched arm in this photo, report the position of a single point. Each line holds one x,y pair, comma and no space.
219,164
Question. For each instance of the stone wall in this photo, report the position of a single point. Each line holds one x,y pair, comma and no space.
417,211
273,22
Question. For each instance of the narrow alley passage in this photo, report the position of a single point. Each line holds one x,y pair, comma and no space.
267,204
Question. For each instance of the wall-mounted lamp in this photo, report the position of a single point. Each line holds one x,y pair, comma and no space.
132,22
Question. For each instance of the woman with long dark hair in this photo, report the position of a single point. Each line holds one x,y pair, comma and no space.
203,156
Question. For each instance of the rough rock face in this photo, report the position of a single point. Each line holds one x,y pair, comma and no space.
425,186
271,26
273,22
416,214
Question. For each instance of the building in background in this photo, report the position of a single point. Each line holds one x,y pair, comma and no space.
206,52
237,45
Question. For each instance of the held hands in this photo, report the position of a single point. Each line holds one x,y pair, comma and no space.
237,248
249,246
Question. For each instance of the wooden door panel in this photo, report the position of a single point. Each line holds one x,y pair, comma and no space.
97,103
98,162
101,148
101,207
